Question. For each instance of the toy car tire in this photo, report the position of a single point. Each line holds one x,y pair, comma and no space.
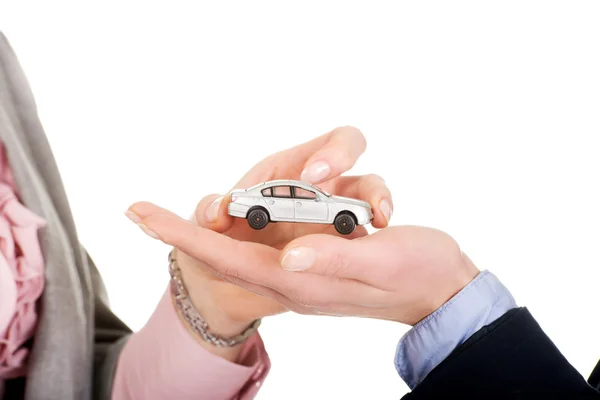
344,223
258,218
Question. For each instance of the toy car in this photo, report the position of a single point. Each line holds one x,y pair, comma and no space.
295,201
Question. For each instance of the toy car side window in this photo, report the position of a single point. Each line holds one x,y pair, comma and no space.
267,192
282,191
304,194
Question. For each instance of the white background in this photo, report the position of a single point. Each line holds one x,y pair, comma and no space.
483,117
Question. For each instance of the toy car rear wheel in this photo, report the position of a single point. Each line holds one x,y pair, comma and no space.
344,223
258,218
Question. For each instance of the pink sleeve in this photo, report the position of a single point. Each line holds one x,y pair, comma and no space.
164,361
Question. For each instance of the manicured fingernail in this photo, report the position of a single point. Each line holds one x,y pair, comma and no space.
148,232
299,259
212,212
386,209
316,172
133,216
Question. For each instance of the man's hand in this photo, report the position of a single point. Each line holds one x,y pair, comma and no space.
401,273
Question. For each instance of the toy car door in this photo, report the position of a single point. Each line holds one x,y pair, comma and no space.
281,204
309,205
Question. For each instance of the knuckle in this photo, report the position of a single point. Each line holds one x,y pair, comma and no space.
267,160
375,178
372,184
272,161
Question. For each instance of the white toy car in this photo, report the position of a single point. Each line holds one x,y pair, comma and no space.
295,201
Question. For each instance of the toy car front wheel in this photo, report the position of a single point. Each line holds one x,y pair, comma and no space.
257,218
344,224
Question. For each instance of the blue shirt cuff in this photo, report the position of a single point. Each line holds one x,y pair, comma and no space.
429,342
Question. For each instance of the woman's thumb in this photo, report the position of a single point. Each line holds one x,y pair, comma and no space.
211,213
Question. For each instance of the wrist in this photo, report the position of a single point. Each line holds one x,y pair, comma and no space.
219,321
202,318
227,353
210,298
451,284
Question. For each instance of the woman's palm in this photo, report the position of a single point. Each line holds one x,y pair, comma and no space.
275,235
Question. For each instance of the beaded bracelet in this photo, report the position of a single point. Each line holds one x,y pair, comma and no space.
193,317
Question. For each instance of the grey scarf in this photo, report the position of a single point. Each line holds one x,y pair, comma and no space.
75,327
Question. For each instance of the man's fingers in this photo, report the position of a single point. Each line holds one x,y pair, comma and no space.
365,259
295,306
370,188
341,151
211,213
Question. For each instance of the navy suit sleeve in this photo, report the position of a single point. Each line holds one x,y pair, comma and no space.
512,358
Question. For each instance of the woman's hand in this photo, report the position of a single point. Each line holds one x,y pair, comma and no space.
231,308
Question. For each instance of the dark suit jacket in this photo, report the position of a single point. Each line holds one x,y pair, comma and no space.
509,359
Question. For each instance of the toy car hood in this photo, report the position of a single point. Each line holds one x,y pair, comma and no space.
348,200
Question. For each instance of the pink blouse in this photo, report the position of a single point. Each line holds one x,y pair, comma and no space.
161,361
21,275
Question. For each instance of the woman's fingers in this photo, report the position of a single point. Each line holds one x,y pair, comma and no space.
224,254
142,209
370,188
256,266
211,213
322,158
139,212
337,155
